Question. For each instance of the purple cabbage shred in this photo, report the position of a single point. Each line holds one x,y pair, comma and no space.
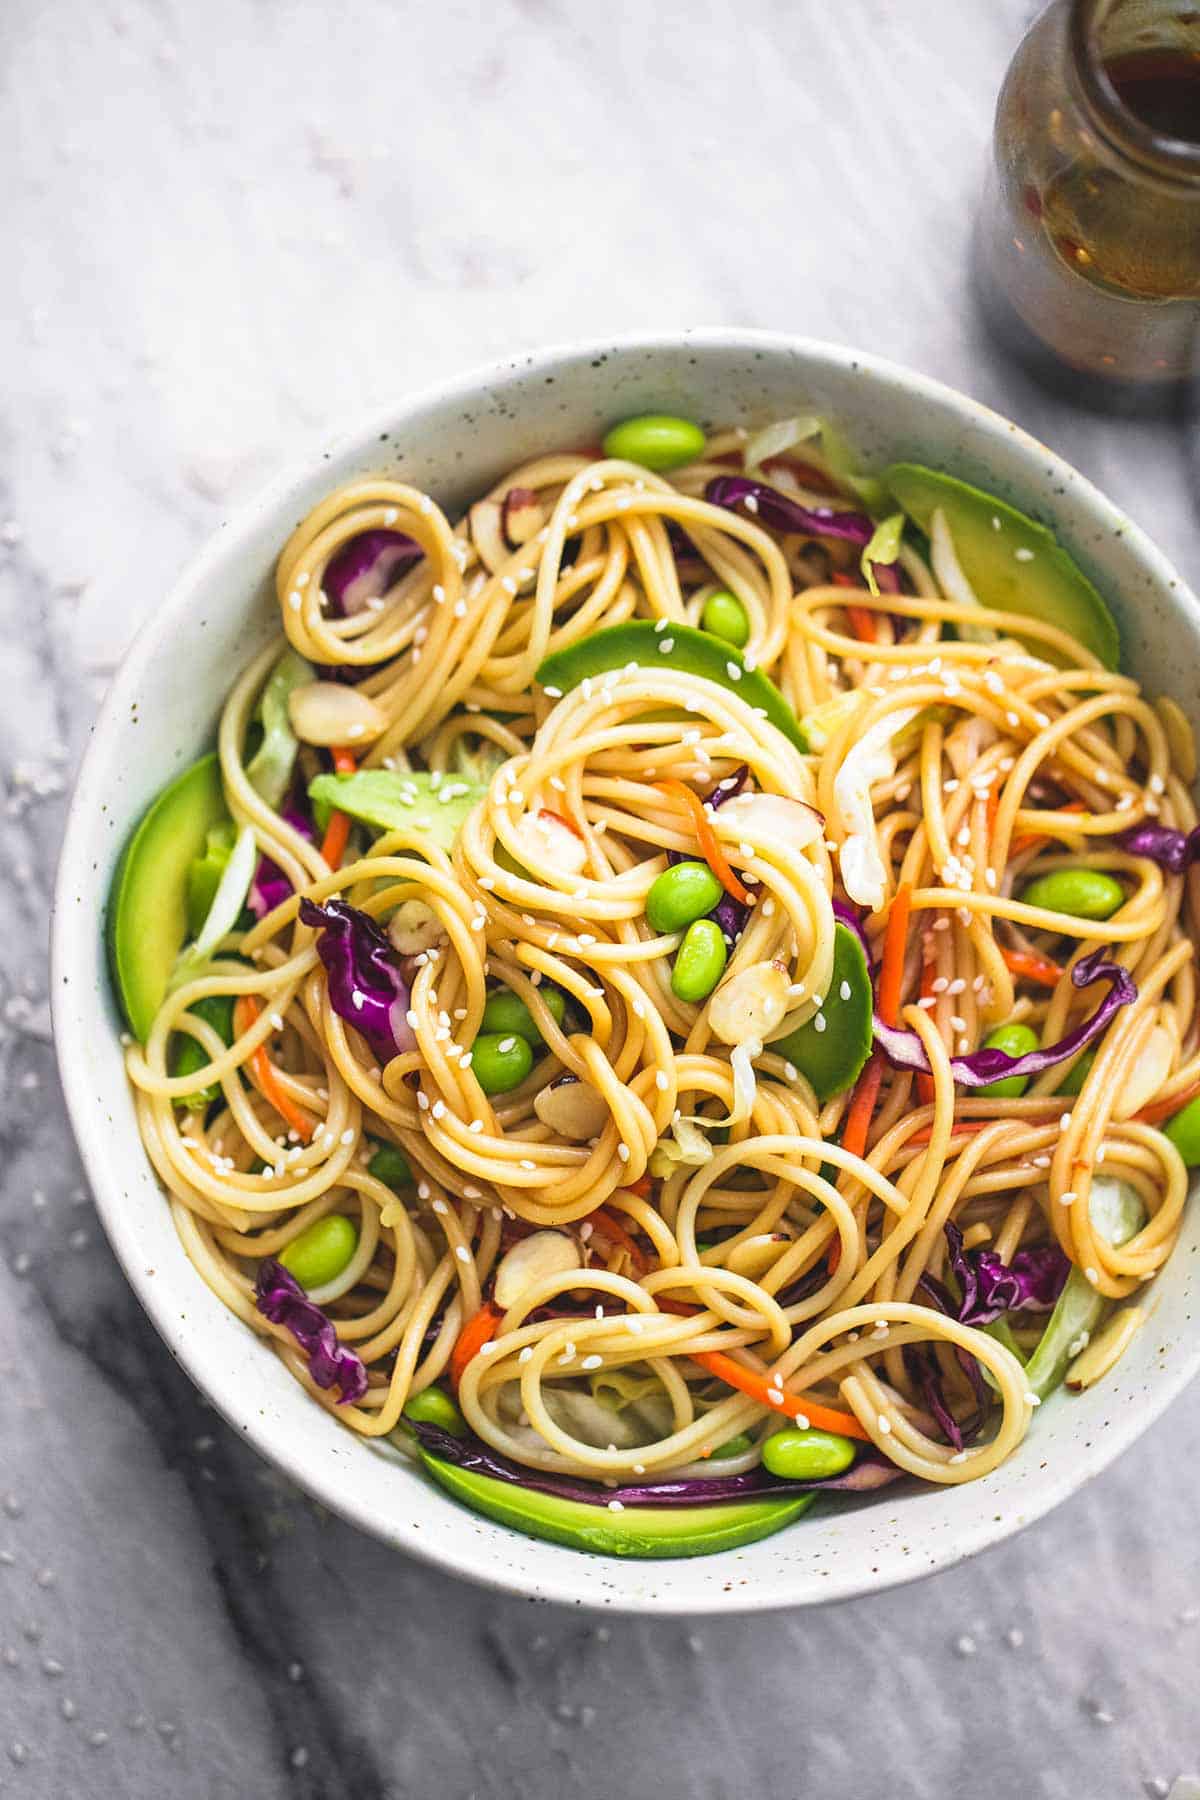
757,500
271,887
989,1287
365,567
280,1298
904,1049
1174,851
366,987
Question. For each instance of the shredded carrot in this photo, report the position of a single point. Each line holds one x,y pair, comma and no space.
862,620
710,846
825,1418
1031,966
611,1228
337,832
643,1187
862,1105
891,967
475,1333
1165,1109
993,807
245,1012
1033,840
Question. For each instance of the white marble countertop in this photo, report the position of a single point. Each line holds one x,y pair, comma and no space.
225,225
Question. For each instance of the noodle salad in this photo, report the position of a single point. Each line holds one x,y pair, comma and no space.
674,993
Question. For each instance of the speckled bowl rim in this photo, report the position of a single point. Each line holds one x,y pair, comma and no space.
660,1587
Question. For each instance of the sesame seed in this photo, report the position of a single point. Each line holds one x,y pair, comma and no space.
616,1506
1023,555
1065,1122
462,1253
592,1362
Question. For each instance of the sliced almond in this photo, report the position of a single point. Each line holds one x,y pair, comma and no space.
487,534
1106,1348
522,514
572,1108
1148,1073
532,1260
414,926
750,1005
773,818
327,713
547,841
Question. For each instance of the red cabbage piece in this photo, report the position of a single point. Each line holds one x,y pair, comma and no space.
366,988
365,567
989,1287
740,493
904,1049
922,1363
280,1298
271,887
870,1470
887,577
1174,851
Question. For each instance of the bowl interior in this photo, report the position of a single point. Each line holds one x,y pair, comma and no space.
161,713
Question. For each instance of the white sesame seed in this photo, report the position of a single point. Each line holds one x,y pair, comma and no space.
462,1253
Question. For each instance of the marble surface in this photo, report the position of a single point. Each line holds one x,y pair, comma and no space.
224,225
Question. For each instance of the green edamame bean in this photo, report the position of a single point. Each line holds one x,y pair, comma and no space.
433,1406
655,440
1080,893
501,1061
724,616
734,1446
682,894
1073,1082
321,1252
1184,1132
390,1166
699,961
505,1013
1015,1040
807,1455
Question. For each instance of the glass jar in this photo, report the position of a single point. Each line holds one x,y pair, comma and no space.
1088,245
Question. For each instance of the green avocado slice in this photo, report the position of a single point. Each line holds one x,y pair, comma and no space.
1012,562
694,652
638,1531
831,1059
148,901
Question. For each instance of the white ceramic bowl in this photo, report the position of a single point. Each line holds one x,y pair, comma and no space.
162,711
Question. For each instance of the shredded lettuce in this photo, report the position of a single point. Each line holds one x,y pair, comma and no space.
776,439
270,768
225,910
952,581
684,1143
884,548
869,760
1117,1214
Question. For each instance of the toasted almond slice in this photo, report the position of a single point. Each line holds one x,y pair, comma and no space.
572,1108
531,1260
327,713
1148,1073
523,515
487,533
1106,1348
750,1005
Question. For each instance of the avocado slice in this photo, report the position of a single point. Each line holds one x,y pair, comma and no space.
678,647
831,1059
1012,562
638,1531
147,903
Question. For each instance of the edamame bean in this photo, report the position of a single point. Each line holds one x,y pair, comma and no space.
1073,1082
433,1406
724,616
1080,893
655,440
390,1166
699,961
734,1446
1015,1040
1184,1132
501,1062
682,894
808,1455
321,1251
506,1012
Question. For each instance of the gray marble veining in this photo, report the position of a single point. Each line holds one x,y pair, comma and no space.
224,225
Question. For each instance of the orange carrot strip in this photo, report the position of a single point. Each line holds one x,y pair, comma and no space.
891,967
747,1381
1164,1109
477,1331
609,1226
862,1105
245,1012
1031,966
337,832
710,846
862,624
643,1187
993,807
